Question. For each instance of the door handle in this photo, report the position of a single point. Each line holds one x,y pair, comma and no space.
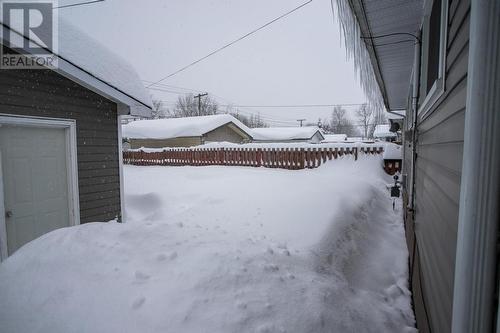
8,214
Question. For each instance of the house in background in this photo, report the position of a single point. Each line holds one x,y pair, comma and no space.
383,132
309,134
185,132
60,144
438,62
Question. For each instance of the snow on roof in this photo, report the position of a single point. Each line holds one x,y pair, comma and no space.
179,127
392,151
382,131
393,116
284,133
94,58
334,137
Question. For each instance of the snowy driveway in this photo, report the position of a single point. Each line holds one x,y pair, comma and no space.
223,249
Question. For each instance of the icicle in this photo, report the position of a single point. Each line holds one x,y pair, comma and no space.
356,50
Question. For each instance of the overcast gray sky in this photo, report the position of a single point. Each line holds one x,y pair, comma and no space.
297,60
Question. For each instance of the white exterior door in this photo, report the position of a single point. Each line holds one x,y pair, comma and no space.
35,182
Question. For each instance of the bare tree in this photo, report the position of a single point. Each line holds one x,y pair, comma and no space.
158,110
340,123
187,106
326,125
365,117
252,121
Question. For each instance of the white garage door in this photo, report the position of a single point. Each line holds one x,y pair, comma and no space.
35,181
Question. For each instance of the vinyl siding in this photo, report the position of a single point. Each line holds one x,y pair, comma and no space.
228,133
44,93
438,172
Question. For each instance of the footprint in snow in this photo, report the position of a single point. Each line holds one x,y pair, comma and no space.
173,255
138,302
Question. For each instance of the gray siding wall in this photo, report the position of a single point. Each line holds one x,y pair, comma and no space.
43,93
438,172
225,133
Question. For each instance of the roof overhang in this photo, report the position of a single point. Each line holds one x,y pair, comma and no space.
126,104
389,30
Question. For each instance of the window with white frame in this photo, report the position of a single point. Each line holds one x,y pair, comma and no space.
433,53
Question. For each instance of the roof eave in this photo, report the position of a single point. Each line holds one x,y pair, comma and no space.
126,104
357,9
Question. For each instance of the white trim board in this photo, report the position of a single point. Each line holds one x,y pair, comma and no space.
72,166
3,229
120,168
438,87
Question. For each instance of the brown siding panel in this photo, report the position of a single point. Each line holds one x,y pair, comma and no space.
44,93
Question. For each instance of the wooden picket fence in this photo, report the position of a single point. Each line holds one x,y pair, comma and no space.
283,158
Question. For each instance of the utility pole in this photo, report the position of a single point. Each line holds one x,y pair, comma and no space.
301,121
199,96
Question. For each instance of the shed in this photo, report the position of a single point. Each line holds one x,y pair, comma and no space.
383,132
310,134
185,132
60,144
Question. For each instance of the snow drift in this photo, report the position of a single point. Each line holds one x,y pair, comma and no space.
218,249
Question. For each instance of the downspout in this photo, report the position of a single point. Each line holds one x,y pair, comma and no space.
414,100
476,279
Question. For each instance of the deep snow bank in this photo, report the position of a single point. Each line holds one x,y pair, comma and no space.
215,249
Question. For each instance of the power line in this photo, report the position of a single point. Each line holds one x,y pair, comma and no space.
231,43
169,86
298,105
301,121
78,4
232,104
241,108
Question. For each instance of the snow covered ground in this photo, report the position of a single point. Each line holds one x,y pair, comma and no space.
223,249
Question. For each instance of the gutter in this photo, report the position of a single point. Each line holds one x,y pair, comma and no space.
414,98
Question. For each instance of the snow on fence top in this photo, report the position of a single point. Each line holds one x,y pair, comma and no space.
285,133
179,127
270,145
97,60
382,131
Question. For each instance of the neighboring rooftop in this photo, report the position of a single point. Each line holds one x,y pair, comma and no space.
383,131
285,133
169,128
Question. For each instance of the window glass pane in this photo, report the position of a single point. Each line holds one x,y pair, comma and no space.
434,43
